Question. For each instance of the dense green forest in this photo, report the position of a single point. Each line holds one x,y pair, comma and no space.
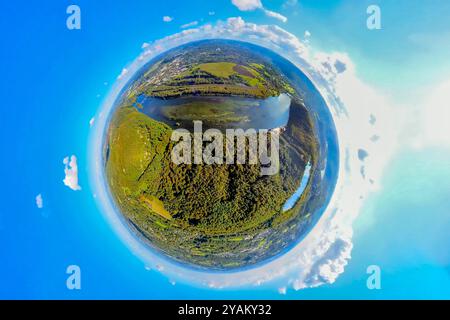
184,209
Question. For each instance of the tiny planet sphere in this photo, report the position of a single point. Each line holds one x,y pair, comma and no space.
199,196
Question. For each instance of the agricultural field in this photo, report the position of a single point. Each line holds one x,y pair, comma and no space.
177,75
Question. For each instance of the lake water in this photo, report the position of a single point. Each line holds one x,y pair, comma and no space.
298,193
218,112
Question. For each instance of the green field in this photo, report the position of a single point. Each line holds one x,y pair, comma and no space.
218,69
222,112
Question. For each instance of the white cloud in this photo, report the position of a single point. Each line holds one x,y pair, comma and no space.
92,121
325,251
306,37
39,201
71,172
432,124
275,15
282,290
160,267
247,5
123,73
332,258
167,19
211,13
190,24
251,5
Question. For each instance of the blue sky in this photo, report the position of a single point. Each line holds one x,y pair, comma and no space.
54,81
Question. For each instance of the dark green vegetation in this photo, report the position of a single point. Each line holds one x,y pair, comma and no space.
217,216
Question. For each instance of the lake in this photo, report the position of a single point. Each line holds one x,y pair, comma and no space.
218,112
